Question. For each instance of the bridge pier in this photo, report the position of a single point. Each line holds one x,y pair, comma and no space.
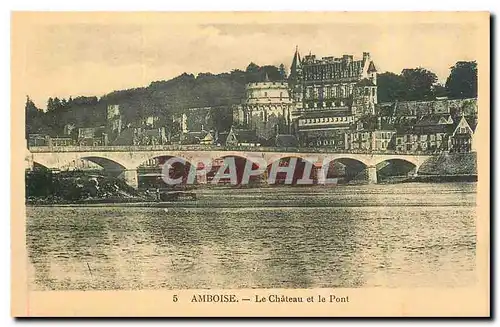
414,172
130,177
372,174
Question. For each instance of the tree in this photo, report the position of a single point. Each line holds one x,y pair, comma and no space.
252,73
462,81
439,90
57,104
32,117
418,83
50,104
30,106
273,73
222,118
390,87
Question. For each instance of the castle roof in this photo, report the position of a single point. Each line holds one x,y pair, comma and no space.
372,68
430,120
296,64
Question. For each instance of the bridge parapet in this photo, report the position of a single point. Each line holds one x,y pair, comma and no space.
125,160
187,148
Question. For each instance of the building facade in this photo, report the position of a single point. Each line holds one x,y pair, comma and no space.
370,140
337,91
462,138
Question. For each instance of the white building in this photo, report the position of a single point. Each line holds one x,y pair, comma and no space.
267,108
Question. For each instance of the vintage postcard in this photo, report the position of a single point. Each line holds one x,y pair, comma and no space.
250,164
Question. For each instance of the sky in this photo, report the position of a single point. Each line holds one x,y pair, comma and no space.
73,59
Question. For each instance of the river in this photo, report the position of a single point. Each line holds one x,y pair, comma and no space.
398,235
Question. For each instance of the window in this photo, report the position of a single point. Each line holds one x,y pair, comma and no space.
373,92
320,93
328,92
265,94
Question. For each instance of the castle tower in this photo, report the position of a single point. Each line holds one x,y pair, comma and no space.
295,81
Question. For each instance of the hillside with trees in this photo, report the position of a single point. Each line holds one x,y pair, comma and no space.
421,84
220,91
160,98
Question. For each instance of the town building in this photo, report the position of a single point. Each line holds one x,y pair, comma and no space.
324,129
370,140
139,135
430,134
61,141
194,119
462,136
92,136
234,137
38,140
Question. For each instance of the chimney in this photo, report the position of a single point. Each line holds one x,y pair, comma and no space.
346,58
366,56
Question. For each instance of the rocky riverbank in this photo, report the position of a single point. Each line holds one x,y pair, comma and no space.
43,187
451,167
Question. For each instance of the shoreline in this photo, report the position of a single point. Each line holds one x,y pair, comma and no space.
143,202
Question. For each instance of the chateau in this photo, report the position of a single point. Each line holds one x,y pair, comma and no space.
330,95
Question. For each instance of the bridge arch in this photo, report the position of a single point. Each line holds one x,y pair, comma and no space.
346,168
397,167
416,161
305,170
151,171
109,166
254,166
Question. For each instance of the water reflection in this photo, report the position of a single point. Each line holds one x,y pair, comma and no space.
344,237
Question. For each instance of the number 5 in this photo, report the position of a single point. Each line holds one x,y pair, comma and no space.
175,299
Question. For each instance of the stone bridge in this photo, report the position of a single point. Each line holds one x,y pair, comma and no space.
124,160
